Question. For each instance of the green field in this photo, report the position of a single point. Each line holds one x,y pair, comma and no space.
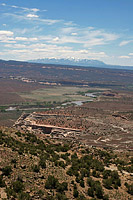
42,99
58,94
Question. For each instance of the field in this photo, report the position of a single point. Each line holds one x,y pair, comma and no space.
57,94
28,97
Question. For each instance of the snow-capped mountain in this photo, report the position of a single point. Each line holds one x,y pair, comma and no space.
72,61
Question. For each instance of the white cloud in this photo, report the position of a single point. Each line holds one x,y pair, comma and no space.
20,51
109,36
29,9
94,42
7,41
70,23
1,53
91,28
68,30
15,45
130,54
84,51
13,6
33,39
32,16
74,34
21,38
37,45
127,57
35,9
99,36
6,33
125,42
85,40
66,39
49,21
20,17
23,8
25,39
39,50
56,39
6,36
87,36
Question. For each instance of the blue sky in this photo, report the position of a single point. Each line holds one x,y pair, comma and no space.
80,29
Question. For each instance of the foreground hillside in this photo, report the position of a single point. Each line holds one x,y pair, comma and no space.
37,167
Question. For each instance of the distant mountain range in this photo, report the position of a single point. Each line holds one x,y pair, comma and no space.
71,62
79,62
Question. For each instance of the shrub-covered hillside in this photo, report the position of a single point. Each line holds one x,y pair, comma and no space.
35,167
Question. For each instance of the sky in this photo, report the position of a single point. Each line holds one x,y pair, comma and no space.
80,29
